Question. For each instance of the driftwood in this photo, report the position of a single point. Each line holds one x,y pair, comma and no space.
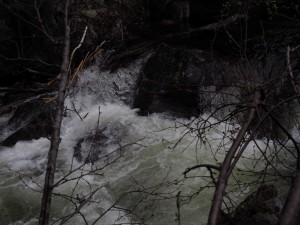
115,60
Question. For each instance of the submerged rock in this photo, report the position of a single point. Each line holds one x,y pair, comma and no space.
100,145
88,149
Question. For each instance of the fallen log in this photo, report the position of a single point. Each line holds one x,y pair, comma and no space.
116,59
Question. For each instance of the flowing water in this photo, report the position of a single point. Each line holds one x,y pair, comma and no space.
139,177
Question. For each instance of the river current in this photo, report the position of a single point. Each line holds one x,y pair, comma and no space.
139,176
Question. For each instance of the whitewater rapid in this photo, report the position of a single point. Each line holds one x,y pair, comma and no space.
145,177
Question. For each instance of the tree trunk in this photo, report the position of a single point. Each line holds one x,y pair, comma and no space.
228,165
290,214
55,141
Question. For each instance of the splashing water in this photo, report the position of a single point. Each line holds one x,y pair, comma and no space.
139,177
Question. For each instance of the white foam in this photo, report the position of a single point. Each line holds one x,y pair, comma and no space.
142,165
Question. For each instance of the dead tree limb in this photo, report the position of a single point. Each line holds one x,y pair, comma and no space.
55,140
207,166
79,45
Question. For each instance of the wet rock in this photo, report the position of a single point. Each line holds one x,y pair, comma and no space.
88,149
172,79
31,120
102,145
262,207
90,13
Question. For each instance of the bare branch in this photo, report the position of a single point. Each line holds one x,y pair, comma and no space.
37,10
79,45
227,163
208,166
83,202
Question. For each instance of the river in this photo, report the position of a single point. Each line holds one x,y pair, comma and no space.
139,176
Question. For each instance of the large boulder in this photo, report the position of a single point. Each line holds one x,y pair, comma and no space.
262,207
180,81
